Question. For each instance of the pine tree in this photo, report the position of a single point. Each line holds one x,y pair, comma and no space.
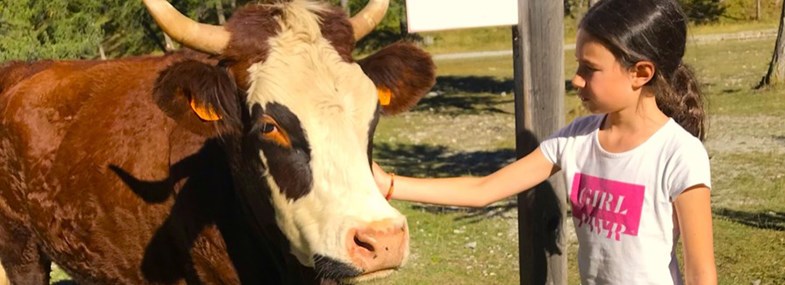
36,29
17,35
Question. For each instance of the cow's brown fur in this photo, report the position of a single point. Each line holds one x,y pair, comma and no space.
122,187
62,140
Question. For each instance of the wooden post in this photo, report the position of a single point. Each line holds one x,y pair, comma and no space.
538,41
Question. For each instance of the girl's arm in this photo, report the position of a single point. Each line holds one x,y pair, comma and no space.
521,175
693,210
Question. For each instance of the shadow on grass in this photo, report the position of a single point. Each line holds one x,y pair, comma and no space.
474,84
768,220
440,161
64,282
458,95
475,215
480,84
780,139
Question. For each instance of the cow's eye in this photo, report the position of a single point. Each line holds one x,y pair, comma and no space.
268,128
273,133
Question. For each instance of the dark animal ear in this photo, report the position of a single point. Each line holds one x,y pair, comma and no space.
403,73
201,97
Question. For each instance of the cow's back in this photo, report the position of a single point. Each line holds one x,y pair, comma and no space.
87,154
39,104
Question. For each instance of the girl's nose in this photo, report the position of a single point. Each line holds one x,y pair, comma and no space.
578,82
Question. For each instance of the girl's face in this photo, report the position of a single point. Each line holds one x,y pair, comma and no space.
603,84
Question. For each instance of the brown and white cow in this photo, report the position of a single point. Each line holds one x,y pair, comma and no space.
247,162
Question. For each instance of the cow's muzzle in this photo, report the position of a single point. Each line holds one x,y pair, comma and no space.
375,250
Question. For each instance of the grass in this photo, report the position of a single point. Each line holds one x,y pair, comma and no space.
467,130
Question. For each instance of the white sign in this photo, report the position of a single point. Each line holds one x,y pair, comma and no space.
432,15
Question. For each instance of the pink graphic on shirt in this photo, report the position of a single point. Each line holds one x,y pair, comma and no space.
607,206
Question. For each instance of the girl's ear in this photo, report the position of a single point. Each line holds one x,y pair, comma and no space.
642,73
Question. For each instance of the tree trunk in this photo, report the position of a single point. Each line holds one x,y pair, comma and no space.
757,10
219,9
776,73
345,5
169,43
403,25
101,51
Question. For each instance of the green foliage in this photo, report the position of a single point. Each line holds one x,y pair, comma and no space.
35,29
573,7
392,27
744,10
703,11
132,30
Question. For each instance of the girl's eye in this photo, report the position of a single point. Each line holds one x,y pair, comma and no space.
583,69
268,128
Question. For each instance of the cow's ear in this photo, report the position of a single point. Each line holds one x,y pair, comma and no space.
403,73
198,96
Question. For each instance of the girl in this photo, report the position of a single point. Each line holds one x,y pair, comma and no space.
637,172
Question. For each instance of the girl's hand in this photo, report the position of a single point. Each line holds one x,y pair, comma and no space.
381,177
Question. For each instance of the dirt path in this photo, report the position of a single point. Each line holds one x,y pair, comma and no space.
744,134
699,39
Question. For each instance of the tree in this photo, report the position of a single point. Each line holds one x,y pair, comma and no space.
345,5
703,11
391,28
776,73
132,31
219,12
35,29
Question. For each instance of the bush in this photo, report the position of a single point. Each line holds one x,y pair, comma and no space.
703,11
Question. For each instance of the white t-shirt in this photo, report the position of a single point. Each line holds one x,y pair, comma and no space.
622,202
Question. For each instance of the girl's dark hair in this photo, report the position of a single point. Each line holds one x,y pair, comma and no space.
656,31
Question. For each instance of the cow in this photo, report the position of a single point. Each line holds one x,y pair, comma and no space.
243,158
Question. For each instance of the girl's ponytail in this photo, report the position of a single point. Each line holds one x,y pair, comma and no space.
681,99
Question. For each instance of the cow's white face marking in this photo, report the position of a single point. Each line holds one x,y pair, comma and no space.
335,103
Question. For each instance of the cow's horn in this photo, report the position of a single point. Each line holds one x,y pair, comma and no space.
366,20
207,38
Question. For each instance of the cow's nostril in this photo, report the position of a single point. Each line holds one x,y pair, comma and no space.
359,242
378,246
